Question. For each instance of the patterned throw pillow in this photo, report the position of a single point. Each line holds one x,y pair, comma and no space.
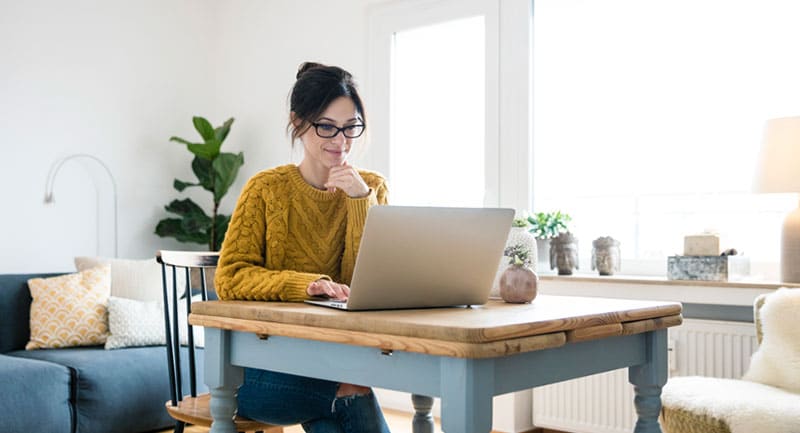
69,310
135,323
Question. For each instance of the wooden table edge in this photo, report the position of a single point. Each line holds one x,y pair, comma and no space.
455,349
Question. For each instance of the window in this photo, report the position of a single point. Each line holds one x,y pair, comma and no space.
435,82
438,114
647,121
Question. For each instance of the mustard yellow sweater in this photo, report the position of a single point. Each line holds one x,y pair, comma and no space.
284,234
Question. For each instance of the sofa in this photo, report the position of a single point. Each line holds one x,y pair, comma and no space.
86,389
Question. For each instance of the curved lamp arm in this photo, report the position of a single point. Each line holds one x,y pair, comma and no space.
51,179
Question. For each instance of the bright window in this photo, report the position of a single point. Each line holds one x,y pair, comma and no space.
648,118
438,114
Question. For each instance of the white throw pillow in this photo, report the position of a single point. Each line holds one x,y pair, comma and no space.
135,323
777,361
131,279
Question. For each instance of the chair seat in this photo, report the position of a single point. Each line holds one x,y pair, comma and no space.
675,420
195,410
714,405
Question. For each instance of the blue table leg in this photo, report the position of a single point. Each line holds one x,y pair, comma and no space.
647,380
222,378
467,388
423,419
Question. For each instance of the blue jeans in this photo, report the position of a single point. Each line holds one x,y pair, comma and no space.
285,399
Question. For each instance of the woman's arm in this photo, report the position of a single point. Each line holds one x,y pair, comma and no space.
241,272
356,216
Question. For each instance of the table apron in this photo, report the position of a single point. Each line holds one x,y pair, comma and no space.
423,374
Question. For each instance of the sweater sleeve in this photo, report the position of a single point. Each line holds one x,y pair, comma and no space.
356,216
241,272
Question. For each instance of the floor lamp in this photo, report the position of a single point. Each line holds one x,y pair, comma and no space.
51,179
778,170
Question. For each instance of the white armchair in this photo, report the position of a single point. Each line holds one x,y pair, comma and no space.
765,400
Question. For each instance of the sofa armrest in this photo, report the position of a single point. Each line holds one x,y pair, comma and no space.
15,309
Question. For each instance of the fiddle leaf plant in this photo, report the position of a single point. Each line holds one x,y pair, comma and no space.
215,171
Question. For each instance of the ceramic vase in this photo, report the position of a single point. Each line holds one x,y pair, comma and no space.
516,236
518,284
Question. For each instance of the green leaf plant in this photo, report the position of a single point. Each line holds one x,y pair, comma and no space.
547,225
216,171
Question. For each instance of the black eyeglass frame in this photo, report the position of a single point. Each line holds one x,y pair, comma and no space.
343,130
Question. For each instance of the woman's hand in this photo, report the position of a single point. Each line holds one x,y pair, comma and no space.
346,178
329,289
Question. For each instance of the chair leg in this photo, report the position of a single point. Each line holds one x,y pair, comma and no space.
179,426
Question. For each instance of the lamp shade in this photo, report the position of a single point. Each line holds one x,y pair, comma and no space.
778,167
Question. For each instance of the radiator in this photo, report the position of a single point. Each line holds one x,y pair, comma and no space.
603,403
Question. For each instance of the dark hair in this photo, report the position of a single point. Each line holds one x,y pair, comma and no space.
316,87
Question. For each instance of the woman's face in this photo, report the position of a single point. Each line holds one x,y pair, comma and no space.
324,153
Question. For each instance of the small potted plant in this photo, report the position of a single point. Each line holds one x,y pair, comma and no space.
546,226
518,283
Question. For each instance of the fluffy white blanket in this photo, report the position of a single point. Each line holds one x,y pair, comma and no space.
747,407
768,399
777,361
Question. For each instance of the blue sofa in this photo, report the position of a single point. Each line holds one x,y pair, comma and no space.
75,390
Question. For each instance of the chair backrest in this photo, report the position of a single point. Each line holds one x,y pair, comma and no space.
177,298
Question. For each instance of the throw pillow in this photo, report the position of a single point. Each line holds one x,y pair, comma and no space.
132,279
69,310
136,323
776,360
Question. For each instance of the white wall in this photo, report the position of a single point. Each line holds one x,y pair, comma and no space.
116,79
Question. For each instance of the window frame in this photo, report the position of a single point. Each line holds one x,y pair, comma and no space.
508,99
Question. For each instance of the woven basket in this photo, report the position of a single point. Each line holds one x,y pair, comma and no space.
675,420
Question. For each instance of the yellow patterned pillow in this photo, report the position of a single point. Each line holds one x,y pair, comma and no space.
70,310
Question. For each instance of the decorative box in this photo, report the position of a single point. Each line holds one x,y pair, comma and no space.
707,268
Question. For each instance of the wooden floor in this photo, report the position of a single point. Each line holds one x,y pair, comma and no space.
399,422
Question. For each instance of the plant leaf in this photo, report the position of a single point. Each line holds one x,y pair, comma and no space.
173,227
226,167
205,173
187,208
221,132
203,127
208,150
180,140
181,185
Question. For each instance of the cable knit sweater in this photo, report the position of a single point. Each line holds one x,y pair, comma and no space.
284,234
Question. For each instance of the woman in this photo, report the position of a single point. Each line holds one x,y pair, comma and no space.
294,234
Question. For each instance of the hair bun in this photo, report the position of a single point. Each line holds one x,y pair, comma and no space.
306,66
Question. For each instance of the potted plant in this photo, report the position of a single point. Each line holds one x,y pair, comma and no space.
546,226
518,282
215,172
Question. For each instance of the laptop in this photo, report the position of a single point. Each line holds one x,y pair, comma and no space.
422,257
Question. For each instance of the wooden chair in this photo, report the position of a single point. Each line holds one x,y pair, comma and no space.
714,405
177,269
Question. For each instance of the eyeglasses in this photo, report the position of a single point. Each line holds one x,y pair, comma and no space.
326,130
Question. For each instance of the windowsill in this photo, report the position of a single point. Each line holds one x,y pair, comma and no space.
724,293
661,281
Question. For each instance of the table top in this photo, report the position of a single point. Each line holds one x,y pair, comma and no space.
496,328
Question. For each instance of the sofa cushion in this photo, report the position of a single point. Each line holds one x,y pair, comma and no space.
70,310
35,396
15,308
130,279
118,390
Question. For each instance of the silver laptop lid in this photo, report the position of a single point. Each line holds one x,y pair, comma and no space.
413,257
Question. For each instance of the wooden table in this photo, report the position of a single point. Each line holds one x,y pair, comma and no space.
463,355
